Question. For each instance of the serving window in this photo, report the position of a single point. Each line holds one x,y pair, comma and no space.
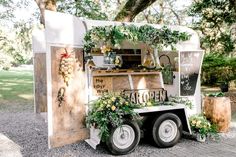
131,58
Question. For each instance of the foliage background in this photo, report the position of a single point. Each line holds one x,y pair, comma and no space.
214,20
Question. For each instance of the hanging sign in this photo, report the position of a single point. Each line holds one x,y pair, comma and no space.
141,96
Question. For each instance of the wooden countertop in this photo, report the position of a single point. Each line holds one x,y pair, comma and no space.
122,72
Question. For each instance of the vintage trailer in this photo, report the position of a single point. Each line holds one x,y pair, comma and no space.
67,99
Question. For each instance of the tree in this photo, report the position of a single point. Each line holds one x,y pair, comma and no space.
45,4
132,8
15,34
83,8
214,19
168,12
160,11
17,44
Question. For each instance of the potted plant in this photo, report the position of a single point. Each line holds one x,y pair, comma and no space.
217,108
226,75
201,127
109,111
224,86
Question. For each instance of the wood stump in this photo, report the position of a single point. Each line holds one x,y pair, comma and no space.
218,111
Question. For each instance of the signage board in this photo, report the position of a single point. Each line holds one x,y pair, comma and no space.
141,96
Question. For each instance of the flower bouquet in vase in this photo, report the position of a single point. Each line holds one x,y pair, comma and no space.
201,127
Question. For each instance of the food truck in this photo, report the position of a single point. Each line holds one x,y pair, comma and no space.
77,75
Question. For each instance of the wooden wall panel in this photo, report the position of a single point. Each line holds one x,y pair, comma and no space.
146,81
40,82
68,118
153,81
121,83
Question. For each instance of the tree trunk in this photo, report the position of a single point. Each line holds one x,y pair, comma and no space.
132,8
43,5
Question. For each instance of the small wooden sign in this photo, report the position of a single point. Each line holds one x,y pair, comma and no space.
102,85
144,95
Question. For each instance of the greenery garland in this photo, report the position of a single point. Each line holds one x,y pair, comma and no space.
114,35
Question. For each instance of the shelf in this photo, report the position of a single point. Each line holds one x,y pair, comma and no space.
123,72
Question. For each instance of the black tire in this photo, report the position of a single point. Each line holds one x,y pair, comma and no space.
167,122
112,143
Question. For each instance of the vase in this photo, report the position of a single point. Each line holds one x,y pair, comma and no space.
109,57
94,139
200,138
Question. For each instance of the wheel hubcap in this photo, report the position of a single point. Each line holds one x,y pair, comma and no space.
123,137
167,130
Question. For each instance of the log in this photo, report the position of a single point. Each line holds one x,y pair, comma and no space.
218,111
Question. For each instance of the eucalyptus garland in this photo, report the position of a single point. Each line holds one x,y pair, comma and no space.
114,35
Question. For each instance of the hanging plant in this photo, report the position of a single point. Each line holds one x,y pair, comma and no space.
113,36
66,66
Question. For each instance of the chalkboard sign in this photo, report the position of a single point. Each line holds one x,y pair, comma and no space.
190,62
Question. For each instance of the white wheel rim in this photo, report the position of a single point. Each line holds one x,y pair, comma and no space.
123,136
167,130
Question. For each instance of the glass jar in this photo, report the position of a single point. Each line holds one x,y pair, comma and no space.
109,57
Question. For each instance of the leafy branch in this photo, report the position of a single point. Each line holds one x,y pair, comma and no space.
115,35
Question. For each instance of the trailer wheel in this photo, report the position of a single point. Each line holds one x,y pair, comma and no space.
167,130
124,139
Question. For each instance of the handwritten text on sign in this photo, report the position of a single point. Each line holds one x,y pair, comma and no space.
189,71
102,85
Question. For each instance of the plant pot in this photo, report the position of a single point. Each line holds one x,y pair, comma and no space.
200,138
94,139
224,87
218,111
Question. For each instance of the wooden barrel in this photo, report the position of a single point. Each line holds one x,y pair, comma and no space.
218,111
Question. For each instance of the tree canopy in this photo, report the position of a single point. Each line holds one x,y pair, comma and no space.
215,21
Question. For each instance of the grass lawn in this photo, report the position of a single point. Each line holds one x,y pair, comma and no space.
16,85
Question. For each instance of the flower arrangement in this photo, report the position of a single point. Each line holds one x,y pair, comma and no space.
200,124
105,49
109,111
109,55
